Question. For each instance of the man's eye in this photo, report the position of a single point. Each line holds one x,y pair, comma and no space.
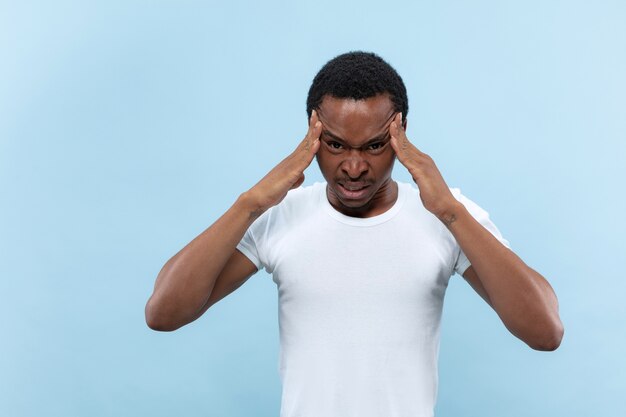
376,148
334,145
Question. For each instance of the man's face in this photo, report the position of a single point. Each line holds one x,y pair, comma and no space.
355,155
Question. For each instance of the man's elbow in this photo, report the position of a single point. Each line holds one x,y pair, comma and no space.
157,320
159,326
551,340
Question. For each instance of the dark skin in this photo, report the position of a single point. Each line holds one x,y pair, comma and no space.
355,143
360,140
523,298
355,151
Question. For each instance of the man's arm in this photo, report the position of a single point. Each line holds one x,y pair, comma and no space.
474,282
186,281
526,304
209,267
523,299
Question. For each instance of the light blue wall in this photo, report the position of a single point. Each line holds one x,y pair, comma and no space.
127,128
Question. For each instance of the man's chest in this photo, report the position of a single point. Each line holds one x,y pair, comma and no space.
384,262
359,285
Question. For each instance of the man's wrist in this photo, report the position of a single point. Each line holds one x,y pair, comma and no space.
249,205
451,214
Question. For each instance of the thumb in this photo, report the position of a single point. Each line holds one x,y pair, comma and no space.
298,183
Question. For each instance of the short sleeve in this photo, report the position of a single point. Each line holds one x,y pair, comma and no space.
248,247
254,243
482,216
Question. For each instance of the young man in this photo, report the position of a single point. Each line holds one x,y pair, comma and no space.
361,261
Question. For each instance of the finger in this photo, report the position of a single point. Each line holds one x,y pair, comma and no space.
399,141
316,131
305,152
316,123
398,128
313,143
397,119
311,140
314,118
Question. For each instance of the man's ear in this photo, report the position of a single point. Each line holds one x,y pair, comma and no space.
405,124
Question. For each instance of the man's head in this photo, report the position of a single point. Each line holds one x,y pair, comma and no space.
356,96
358,75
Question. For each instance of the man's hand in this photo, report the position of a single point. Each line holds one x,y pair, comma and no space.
434,191
289,173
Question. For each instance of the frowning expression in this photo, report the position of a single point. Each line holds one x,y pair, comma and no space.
355,156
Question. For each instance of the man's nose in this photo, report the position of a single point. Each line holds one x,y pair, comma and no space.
355,165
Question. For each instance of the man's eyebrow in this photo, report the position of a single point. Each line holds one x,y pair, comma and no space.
378,138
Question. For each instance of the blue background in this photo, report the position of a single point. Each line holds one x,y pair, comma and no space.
127,128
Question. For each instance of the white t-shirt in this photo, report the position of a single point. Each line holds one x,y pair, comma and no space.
360,301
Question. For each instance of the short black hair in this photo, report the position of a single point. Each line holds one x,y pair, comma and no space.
357,75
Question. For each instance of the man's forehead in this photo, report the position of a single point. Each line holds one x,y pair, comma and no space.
356,121
348,110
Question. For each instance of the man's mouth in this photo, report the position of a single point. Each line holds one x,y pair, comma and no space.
353,187
353,190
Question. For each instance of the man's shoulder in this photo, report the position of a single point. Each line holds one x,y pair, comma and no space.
411,187
299,200
306,194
